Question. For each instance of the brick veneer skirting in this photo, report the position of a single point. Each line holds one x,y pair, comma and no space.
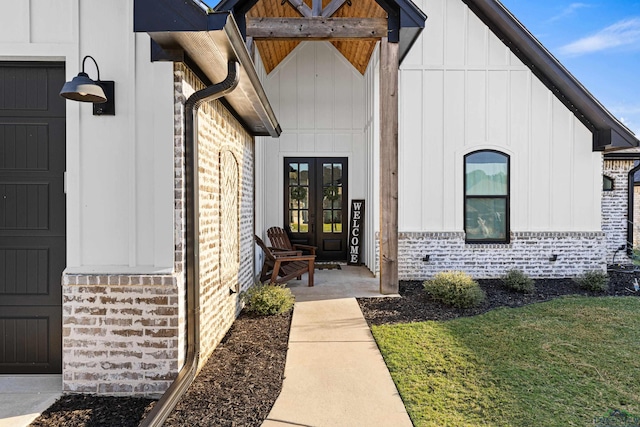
120,333
528,251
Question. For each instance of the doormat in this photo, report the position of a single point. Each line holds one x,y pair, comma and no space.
330,266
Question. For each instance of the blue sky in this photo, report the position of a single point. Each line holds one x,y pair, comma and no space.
598,41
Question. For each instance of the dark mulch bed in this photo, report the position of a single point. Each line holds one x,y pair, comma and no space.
237,386
241,381
87,410
415,306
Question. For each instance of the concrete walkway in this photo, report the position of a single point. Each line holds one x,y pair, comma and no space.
334,373
24,397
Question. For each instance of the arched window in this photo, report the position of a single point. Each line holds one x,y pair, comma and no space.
486,197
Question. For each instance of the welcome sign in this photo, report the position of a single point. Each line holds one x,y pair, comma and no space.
355,232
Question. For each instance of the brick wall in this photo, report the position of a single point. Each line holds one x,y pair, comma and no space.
125,334
530,252
614,208
226,215
120,333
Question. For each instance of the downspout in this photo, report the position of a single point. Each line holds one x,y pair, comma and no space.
170,398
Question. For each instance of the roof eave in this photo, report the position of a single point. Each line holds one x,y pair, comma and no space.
412,22
210,40
608,132
406,20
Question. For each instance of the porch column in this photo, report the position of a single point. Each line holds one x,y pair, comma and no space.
388,167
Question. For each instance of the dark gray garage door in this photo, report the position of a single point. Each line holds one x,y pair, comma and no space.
32,217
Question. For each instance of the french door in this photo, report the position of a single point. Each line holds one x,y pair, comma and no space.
316,204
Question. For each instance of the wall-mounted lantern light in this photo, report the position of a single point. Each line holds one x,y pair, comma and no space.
100,92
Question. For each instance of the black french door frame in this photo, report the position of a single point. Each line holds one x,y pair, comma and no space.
316,204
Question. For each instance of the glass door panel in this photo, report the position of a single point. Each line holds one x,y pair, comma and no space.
317,190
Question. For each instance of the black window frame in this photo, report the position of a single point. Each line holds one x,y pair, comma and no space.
507,198
609,179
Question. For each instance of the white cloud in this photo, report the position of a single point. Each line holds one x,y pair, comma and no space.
629,115
625,33
569,10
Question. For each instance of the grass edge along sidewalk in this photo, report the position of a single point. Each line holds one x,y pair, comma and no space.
560,363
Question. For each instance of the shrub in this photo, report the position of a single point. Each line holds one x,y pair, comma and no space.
455,288
268,299
593,281
516,280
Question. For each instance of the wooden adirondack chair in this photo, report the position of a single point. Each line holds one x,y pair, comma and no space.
280,239
281,266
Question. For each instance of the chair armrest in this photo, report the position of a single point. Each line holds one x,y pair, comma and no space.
296,257
286,254
309,248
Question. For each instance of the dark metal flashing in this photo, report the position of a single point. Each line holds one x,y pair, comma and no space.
608,132
622,155
405,20
178,15
183,30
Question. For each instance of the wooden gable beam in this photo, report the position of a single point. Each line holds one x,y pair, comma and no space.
317,7
301,7
316,28
332,7
317,10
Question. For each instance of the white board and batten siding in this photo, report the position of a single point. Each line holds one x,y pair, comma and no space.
119,168
318,98
372,151
461,90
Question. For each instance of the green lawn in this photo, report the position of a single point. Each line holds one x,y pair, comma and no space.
560,363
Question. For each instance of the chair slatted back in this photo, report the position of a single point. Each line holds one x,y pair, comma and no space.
279,238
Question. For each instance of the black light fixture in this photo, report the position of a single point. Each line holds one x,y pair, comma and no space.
100,92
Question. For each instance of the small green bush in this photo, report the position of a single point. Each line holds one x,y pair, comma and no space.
455,288
268,299
597,281
516,280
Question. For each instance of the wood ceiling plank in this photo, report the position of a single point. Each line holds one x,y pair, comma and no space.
356,52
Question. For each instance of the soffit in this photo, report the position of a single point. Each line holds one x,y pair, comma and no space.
357,52
181,30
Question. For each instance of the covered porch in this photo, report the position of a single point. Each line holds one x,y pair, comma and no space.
330,70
